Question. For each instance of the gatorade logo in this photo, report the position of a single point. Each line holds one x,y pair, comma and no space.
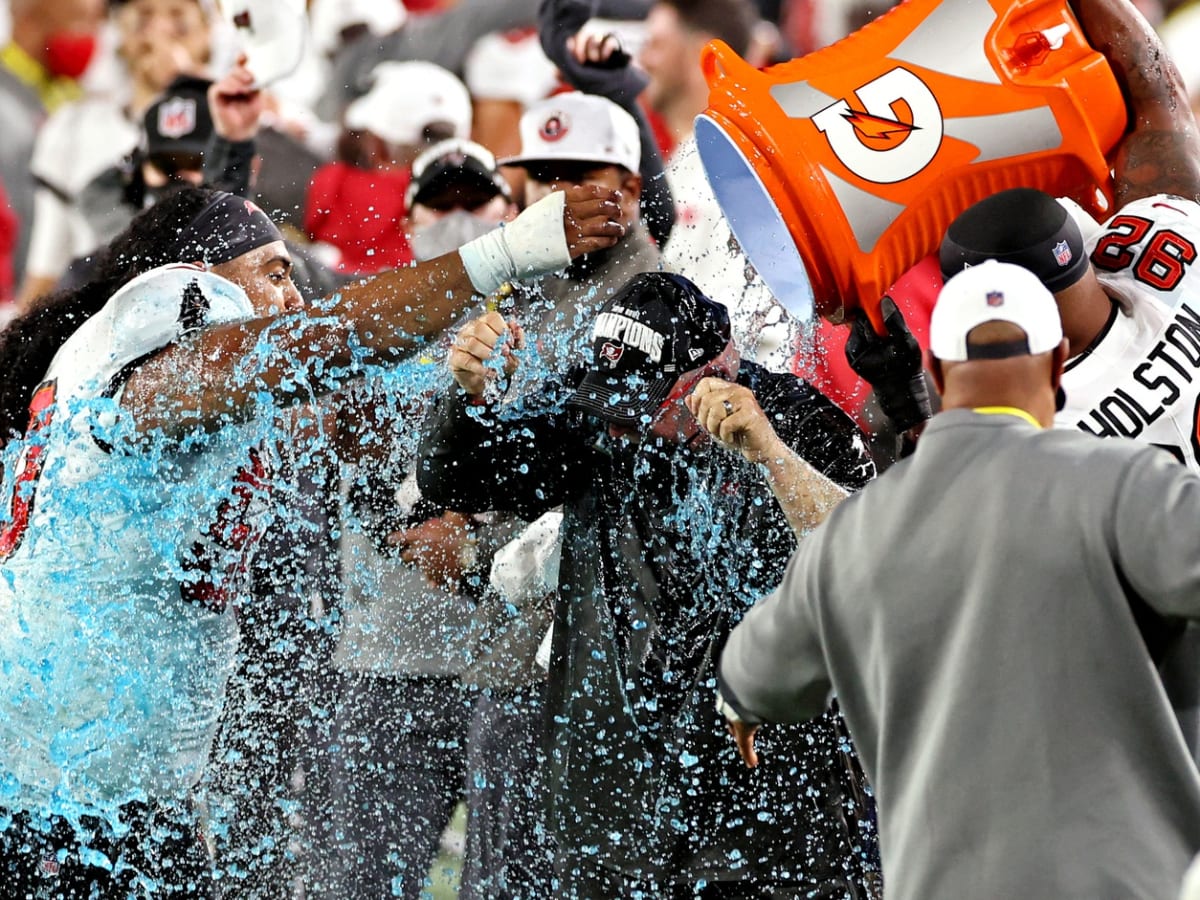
895,131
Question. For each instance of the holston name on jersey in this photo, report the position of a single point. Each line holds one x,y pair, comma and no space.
1155,384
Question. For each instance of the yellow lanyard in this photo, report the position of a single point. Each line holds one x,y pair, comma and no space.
1008,411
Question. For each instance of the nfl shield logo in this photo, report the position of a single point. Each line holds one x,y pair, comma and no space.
1062,253
177,117
611,353
995,298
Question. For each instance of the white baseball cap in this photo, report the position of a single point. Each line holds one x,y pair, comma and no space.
406,97
993,292
578,127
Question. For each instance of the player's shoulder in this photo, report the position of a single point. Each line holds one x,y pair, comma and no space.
1159,209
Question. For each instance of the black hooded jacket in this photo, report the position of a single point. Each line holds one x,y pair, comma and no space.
664,549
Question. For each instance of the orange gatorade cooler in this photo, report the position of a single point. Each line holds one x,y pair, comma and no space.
843,168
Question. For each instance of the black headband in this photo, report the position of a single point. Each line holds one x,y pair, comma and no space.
225,229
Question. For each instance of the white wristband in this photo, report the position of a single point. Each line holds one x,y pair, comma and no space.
535,243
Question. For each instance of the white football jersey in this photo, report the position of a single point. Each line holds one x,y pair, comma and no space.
110,683
1141,379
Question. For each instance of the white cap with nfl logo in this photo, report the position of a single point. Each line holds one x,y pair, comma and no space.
578,127
993,292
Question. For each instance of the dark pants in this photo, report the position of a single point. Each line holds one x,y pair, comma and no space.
508,854
268,777
162,855
580,878
398,761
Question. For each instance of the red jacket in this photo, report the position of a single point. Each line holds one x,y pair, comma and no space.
361,212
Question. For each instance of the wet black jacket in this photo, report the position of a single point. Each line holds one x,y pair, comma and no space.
664,549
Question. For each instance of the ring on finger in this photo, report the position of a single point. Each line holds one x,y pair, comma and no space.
728,407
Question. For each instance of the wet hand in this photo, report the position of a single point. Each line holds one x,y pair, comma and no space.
592,218
731,414
475,348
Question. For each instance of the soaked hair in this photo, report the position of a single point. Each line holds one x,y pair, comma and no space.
731,21
29,343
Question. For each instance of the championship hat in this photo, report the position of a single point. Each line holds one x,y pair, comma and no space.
454,163
653,330
406,98
1023,226
578,127
993,292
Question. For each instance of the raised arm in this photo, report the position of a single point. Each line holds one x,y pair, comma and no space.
215,376
731,414
1160,153
473,461
597,65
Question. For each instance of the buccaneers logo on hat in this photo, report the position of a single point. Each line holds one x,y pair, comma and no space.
177,117
555,128
612,353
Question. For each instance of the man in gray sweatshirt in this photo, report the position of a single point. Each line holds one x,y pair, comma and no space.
989,614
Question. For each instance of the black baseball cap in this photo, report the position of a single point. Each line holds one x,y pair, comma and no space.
648,334
1023,226
178,124
455,163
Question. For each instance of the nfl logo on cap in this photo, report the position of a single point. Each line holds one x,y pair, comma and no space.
177,117
1062,253
995,298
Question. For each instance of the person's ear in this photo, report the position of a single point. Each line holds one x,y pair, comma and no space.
939,377
1058,358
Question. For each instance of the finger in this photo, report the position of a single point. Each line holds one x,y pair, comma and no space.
600,228
733,429
578,193
485,331
518,334
893,319
745,745
493,321
595,244
594,208
481,346
463,363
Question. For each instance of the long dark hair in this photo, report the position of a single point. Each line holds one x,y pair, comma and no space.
28,344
